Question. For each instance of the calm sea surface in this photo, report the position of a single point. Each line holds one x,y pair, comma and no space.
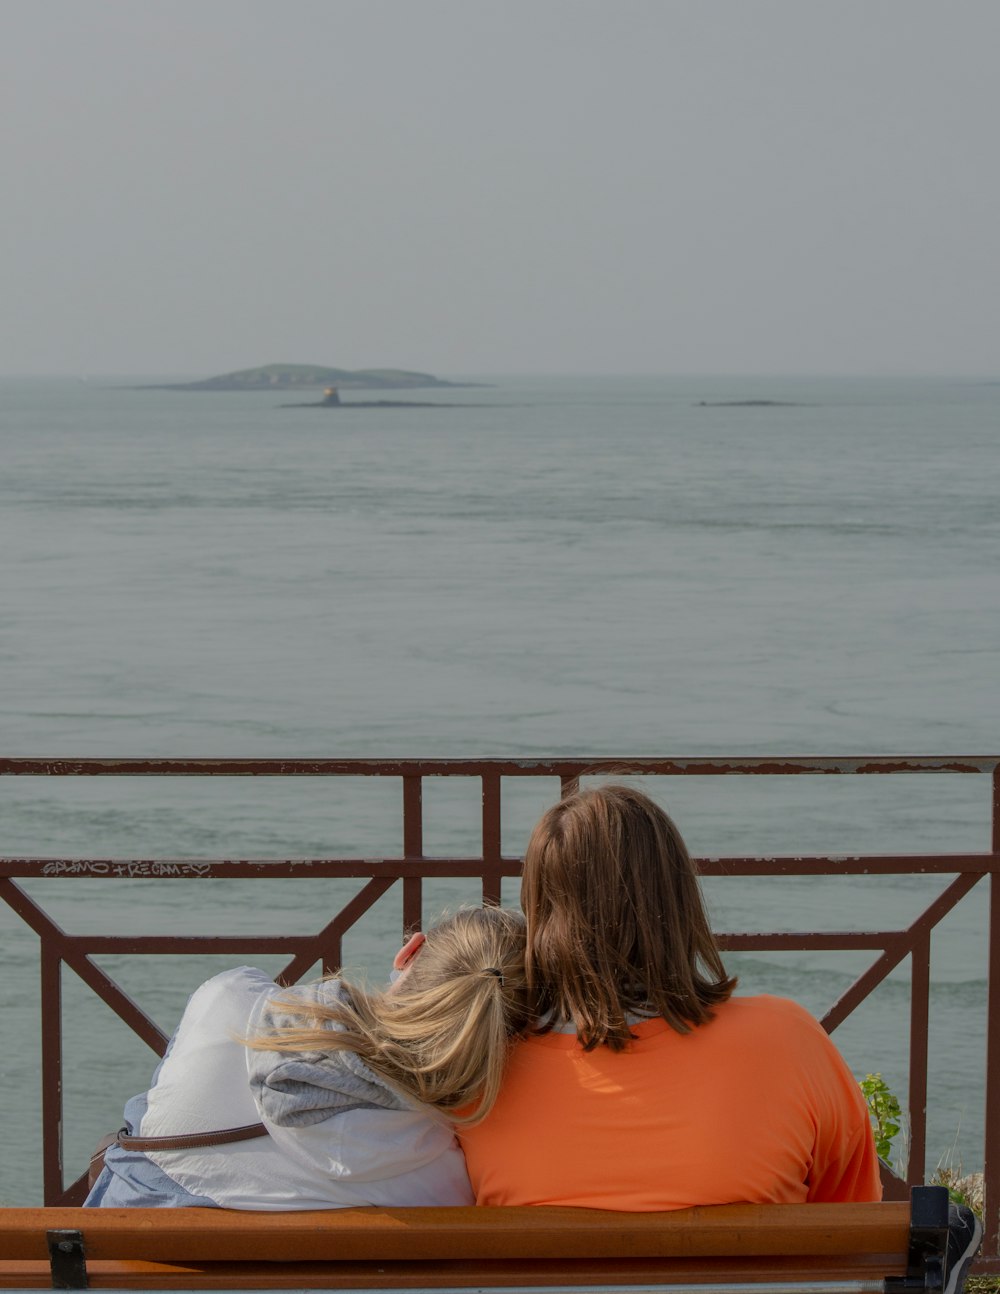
600,567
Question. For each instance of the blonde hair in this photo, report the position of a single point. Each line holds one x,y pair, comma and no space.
441,1035
616,921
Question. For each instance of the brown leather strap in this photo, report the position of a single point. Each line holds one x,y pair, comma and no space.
191,1139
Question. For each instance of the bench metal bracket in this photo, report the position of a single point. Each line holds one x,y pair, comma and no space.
926,1262
67,1260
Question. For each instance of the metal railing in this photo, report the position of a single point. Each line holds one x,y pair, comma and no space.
59,947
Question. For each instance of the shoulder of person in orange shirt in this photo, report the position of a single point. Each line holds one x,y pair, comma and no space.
755,1105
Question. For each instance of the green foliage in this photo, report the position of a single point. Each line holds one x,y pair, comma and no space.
883,1108
963,1188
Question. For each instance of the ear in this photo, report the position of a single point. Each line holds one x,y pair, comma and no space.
409,950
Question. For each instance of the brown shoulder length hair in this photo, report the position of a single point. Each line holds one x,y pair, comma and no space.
616,920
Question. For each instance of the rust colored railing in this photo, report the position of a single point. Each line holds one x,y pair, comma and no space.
58,947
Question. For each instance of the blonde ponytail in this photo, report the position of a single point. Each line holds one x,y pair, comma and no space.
441,1036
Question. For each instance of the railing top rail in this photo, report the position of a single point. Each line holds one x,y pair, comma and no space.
767,765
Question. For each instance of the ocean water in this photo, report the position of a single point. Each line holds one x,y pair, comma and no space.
604,567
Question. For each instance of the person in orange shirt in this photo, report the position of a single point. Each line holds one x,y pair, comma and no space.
646,1085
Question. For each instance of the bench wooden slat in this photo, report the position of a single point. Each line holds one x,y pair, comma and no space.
420,1276
457,1233
368,1248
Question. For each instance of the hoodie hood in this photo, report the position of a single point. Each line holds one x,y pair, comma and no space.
298,1089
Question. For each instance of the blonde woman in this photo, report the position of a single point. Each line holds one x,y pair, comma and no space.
325,1095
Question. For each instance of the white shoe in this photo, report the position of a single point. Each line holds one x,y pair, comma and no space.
965,1235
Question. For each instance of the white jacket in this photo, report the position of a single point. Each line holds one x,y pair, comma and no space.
338,1135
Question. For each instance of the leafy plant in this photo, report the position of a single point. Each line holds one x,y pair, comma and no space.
883,1108
963,1188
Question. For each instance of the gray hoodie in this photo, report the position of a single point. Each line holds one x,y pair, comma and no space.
298,1089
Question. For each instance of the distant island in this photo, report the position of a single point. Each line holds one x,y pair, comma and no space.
292,377
749,404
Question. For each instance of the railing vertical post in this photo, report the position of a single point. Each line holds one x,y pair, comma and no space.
920,984
333,955
492,855
413,847
991,1139
52,1068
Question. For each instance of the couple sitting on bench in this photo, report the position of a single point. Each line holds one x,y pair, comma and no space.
590,1054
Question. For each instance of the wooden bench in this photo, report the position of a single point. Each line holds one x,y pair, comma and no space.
897,1246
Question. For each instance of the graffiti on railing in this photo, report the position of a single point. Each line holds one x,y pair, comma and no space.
129,869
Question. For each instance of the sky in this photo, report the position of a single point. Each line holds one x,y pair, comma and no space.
520,186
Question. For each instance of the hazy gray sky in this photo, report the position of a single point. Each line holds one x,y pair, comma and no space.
523,185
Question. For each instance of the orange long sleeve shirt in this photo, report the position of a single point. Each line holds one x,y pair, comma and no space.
757,1105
